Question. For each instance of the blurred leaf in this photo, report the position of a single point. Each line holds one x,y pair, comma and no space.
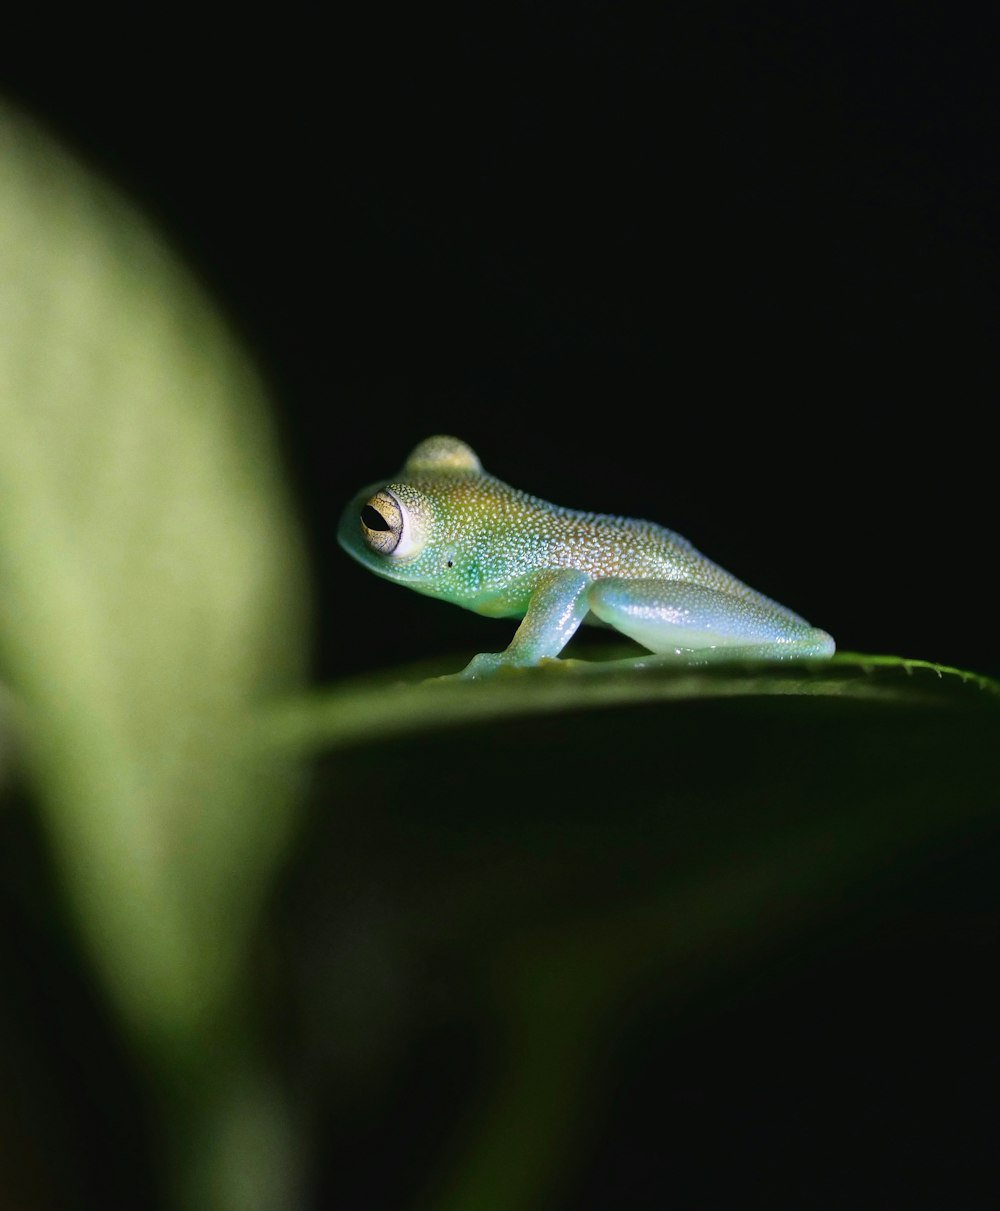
152,596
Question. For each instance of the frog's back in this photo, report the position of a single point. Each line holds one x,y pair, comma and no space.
604,544
607,545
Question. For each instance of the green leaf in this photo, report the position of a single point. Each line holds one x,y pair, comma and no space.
578,840
425,697
152,597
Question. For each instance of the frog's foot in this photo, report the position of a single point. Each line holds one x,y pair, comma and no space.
486,664
557,607
700,625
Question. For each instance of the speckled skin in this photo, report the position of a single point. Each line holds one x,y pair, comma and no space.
446,528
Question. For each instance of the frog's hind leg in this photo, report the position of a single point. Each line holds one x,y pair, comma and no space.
699,624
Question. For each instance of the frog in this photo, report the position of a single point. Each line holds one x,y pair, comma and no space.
445,527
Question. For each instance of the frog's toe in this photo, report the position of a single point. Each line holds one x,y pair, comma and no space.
486,664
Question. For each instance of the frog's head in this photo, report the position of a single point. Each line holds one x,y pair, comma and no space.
407,530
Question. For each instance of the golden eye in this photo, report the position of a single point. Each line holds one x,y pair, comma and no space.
387,527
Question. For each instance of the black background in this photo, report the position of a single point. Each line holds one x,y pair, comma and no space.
729,268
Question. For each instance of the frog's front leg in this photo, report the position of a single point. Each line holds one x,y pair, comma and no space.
699,624
557,606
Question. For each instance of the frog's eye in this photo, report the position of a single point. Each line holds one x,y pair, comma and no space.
386,526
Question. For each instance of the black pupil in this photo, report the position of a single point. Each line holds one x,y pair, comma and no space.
373,519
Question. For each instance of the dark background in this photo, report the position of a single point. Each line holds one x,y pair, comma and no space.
732,269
